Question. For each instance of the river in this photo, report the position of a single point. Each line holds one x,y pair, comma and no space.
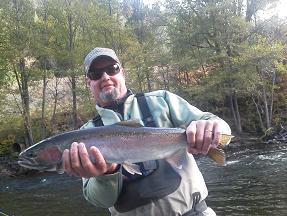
254,182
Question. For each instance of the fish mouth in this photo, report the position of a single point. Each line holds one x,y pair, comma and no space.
32,164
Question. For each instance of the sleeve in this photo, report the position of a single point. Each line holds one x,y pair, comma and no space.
103,191
182,113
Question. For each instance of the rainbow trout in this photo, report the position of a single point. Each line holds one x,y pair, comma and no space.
126,143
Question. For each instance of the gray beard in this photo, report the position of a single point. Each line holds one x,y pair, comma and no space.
109,96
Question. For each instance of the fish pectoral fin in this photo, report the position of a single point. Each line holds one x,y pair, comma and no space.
132,168
176,160
218,155
60,168
130,123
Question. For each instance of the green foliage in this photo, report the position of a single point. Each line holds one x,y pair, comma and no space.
11,131
206,51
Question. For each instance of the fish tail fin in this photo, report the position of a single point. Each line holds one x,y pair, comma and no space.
225,139
218,155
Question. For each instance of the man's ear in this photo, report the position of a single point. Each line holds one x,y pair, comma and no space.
88,81
124,73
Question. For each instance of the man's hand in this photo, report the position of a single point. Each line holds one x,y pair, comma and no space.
203,135
77,162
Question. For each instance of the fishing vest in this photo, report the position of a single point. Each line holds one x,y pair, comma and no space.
139,190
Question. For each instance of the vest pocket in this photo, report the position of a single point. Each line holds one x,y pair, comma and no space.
162,182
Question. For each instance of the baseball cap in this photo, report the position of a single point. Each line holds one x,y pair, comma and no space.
97,52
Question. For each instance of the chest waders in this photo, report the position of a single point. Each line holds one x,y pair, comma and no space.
158,179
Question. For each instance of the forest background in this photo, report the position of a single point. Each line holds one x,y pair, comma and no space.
220,55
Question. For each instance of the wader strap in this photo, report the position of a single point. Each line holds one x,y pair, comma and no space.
160,181
197,207
97,121
147,117
146,167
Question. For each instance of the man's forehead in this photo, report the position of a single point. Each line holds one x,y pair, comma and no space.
102,61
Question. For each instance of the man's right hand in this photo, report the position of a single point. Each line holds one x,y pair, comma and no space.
77,162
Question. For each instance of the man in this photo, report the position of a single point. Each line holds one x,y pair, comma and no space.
162,189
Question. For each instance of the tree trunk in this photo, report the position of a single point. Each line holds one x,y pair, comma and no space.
250,10
53,118
165,78
73,77
22,80
265,102
235,112
272,98
148,81
110,8
139,79
43,124
74,111
259,114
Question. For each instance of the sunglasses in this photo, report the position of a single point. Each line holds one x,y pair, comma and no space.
97,73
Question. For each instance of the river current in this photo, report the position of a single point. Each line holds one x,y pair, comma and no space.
254,182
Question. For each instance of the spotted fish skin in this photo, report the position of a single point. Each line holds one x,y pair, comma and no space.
127,142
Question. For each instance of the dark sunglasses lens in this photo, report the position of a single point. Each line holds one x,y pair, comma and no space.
95,76
110,70
113,69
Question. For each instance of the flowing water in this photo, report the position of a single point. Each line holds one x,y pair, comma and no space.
254,182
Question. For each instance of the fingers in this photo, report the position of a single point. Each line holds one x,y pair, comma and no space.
77,161
67,163
202,135
100,164
87,166
207,137
216,134
71,160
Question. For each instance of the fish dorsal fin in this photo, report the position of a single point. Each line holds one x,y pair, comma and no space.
225,139
130,123
132,168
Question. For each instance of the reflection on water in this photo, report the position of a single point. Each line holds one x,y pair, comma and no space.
254,182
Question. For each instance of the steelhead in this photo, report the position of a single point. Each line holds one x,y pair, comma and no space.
126,143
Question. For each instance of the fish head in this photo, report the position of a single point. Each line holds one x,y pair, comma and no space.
42,156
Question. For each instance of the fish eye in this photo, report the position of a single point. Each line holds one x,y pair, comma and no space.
31,154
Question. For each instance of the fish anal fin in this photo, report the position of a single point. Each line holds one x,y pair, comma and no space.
132,168
218,155
130,123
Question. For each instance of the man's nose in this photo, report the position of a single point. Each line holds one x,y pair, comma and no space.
105,76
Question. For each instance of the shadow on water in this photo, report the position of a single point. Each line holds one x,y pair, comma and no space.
252,183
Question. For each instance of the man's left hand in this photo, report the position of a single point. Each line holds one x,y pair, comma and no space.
203,135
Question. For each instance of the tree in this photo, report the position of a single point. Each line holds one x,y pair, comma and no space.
20,18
